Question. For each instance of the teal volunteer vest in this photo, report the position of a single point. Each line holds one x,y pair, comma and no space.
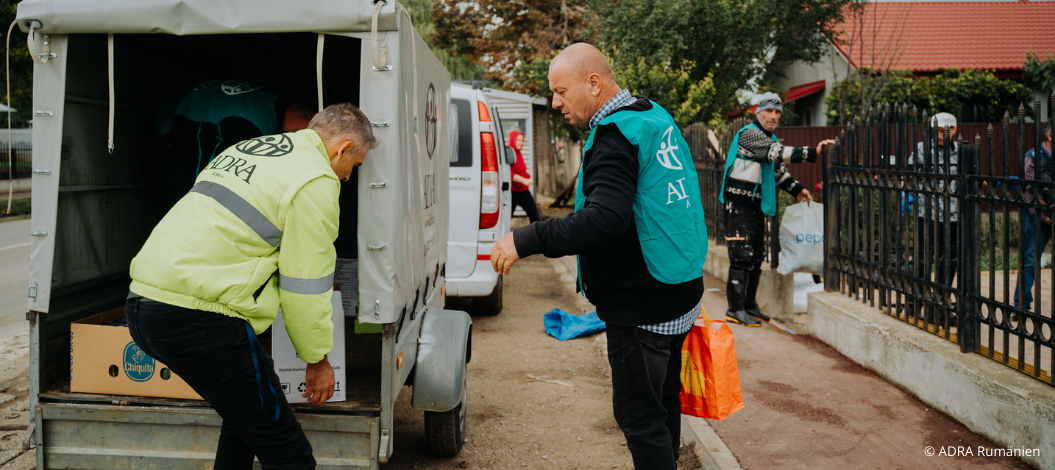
668,210
768,183
215,101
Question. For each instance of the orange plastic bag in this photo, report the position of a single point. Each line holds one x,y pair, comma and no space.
710,379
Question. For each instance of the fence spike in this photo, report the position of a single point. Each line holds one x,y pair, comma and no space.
1007,117
886,106
959,139
990,129
1021,110
978,138
915,112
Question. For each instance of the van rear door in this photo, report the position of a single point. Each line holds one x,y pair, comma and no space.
464,185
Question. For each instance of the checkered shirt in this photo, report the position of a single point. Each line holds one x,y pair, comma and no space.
678,325
620,99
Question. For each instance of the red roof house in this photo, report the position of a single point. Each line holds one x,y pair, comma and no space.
922,37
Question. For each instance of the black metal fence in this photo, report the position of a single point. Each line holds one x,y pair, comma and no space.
926,230
21,161
710,169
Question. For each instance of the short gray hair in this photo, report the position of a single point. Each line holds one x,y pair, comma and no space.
342,121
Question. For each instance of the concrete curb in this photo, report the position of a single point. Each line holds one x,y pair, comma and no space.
709,448
1005,406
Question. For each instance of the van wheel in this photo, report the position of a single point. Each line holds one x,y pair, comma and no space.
492,304
445,431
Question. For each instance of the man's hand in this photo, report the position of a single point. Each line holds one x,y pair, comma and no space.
319,379
504,254
821,145
804,196
1047,220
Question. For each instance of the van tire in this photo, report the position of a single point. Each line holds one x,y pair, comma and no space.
445,431
492,304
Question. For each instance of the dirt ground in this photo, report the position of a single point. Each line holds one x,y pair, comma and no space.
14,418
514,420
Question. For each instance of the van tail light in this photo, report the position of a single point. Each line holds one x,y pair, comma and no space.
489,192
485,115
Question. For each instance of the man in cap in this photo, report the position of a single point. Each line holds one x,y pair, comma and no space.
933,225
754,169
639,231
255,233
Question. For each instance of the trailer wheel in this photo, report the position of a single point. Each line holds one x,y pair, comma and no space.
445,431
492,304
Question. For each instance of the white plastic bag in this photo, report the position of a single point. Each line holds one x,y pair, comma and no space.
802,239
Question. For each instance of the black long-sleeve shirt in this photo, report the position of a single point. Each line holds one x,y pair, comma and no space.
604,234
756,146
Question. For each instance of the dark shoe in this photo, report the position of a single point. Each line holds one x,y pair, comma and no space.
749,300
735,291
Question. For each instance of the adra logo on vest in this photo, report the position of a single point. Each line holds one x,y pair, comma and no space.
665,154
138,366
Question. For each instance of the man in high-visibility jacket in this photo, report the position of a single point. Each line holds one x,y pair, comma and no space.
255,233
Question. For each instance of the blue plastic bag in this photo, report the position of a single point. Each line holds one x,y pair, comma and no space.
564,326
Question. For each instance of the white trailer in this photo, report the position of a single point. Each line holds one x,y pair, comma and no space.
103,69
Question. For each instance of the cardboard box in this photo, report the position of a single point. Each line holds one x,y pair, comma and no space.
290,368
104,359
346,275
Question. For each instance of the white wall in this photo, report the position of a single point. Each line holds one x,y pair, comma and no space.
831,68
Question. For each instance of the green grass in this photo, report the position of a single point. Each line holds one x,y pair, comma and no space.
19,208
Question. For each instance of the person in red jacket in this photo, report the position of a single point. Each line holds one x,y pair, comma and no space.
521,179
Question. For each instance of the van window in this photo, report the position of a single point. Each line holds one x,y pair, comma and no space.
462,149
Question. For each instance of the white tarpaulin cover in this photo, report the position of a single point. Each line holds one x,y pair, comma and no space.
202,17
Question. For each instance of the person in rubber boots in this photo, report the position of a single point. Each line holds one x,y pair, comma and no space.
754,169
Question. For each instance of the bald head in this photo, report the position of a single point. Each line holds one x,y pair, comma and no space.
582,59
582,82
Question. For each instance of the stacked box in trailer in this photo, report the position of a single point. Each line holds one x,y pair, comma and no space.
93,210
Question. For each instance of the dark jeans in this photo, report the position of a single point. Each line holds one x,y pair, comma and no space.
220,358
1027,270
527,201
646,383
745,234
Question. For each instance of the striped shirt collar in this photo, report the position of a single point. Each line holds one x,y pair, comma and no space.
620,99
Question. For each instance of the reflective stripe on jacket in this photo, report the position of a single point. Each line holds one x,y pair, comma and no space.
255,233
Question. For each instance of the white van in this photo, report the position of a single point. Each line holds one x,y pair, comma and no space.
103,69
480,198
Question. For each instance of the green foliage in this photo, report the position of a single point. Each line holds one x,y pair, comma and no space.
21,70
19,207
1039,72
970,95
692,57
460,68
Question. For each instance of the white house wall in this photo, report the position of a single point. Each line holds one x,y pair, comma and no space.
831,68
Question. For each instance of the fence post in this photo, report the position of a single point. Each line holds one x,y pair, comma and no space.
967,326
831,276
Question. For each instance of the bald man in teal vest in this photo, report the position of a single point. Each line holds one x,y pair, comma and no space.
640,237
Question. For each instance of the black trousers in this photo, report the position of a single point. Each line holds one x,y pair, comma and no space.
646,384
527,201
745,234
220,358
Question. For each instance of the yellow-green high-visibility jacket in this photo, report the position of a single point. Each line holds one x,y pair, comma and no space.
255,232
